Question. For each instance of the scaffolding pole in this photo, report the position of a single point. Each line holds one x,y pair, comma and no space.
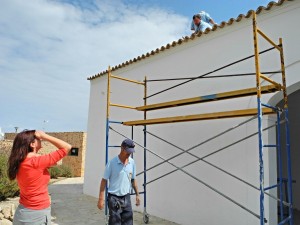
287,129
145,214
279,47
107,135
259,116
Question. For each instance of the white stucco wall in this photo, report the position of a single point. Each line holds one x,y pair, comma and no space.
178,197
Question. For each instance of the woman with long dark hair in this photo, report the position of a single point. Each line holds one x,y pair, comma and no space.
31,171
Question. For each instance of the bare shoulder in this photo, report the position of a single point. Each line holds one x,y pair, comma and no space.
32,154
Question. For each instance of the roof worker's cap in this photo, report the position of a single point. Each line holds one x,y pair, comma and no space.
128,145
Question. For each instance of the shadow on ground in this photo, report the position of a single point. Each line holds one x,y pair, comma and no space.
70,206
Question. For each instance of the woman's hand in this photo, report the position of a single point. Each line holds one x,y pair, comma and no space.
53,140
39,134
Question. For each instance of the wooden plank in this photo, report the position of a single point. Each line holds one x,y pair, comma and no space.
206,116
129,80
270,80
268,39
207,98
122,106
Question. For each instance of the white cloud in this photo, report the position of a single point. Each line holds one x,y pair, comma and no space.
49,48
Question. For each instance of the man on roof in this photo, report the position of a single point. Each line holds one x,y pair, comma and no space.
201,21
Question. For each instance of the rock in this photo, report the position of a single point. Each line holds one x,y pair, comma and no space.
6,211
16,203
13,210
6,222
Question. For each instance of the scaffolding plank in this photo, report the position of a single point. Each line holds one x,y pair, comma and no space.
206,116
206,98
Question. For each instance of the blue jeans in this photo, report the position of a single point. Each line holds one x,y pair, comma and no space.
120,210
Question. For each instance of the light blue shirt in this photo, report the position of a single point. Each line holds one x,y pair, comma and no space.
202,26
119,176
205,17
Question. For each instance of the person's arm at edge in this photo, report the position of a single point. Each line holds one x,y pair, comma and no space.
192,25
212,22
135,188
101,194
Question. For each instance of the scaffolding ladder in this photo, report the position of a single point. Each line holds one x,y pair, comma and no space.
107,143
259,76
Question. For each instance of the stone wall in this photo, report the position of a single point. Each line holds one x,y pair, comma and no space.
76,139
5,146
9,136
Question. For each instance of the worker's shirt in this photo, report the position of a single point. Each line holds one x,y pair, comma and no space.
202,26
205,17
119,176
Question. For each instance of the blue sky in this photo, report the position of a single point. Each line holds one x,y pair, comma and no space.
49,47
220,10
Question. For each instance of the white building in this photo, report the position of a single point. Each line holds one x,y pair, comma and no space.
178,197
1,134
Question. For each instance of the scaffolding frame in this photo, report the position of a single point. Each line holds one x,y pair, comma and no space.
262,109
259,76
107,144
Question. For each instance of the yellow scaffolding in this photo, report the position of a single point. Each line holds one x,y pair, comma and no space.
262,109
109,122
206,116
213,97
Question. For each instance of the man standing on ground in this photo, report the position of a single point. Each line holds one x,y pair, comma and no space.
120,172
204,17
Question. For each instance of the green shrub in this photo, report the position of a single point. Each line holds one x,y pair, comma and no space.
65,171
60,171
54,172
8,189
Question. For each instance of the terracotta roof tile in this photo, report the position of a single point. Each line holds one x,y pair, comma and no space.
193,36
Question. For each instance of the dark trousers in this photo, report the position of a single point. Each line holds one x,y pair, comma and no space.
120,210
